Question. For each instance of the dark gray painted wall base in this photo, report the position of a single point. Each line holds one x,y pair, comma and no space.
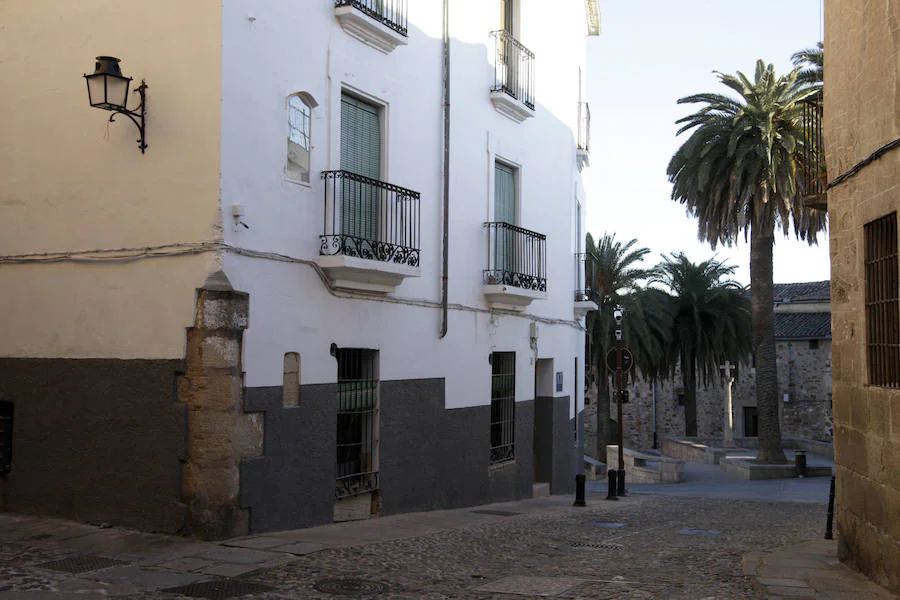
554,444
430,457
95,440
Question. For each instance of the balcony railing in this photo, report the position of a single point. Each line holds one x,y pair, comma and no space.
584,126
813,174
513,68
391,13
586,267
516,257
370,219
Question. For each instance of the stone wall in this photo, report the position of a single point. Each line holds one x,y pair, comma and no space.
862,96
804,374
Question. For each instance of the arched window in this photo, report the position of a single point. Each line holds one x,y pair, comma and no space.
298,139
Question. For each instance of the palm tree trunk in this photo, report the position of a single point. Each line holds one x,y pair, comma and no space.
604,423
689,381
762,241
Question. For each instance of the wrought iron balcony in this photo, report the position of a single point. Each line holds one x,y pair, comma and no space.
373,223
517,257
813,174
586,267
513,77
391,13
584,126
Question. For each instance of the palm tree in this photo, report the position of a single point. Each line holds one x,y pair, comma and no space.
738,171
615,282
711,322
812,61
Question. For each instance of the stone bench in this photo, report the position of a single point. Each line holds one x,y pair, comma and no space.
691,451
647,468
594,469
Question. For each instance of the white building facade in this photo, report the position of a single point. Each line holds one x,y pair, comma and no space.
387,317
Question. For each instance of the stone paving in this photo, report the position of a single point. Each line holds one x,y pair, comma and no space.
643,546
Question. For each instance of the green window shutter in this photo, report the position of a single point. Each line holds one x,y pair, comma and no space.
505,212
360,154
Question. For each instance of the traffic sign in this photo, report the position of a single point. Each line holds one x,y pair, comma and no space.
627,359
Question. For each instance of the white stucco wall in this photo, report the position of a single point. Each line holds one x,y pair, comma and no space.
69,183
273,49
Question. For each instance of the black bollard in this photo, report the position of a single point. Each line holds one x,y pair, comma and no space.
611,495
800,464
622,491
828,528
579,491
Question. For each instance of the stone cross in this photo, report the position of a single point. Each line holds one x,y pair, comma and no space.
729,421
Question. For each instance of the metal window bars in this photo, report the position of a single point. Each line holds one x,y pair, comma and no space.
513,68
882,302
586,268
516,257
812,163
356,469
370,219
391,13
584,127
503,407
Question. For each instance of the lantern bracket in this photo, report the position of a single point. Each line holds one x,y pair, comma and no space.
136,115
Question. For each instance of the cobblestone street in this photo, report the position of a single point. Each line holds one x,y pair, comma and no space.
644,546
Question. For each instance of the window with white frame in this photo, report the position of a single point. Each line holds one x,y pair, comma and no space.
298,138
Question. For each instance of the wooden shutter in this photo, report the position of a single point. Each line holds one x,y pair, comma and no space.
360,154
504,212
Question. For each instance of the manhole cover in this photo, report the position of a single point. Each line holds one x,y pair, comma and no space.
606,525
692,531
498,513
595,545
81,564
350,587
218,588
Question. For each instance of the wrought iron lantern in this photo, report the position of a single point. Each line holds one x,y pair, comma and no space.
108,89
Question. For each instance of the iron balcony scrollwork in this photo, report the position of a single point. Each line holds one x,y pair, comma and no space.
370,219
517,257
390,13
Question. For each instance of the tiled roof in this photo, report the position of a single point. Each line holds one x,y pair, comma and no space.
813,291
802,326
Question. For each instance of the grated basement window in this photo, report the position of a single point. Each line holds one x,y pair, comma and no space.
357,422
503,407
882,302
6,428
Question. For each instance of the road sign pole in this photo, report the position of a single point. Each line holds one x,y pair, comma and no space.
621,478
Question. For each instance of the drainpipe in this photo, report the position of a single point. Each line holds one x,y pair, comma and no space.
655,439
445,263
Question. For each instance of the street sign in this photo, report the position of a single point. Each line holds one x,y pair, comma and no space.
627,359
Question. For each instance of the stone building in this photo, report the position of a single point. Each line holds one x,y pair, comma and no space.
862,145
318,289
802,323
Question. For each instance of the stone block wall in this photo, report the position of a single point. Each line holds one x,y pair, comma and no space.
862,114
804,374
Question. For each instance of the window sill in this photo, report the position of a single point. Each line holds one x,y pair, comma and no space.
367,30
503,465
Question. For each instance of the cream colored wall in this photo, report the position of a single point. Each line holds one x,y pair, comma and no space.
862,113
63,187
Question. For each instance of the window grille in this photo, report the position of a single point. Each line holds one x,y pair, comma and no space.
503,407
6,425
882,302
357,422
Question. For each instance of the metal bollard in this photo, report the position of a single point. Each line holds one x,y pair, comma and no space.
579,491
621,491
829,534
611,495
800,464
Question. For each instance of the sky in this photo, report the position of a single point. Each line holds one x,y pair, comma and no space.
650,53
